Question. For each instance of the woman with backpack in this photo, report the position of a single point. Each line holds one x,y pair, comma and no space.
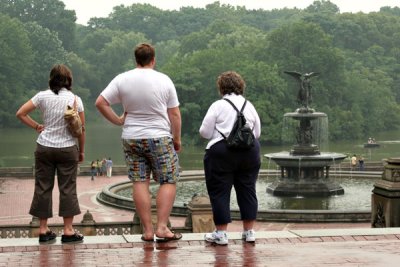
227,165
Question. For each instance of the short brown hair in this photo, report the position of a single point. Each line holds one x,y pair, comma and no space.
144,54
60,77
230,82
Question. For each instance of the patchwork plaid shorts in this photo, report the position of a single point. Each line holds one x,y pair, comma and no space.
154,157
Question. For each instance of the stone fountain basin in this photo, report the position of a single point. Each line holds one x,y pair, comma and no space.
285,159
308,115
350,207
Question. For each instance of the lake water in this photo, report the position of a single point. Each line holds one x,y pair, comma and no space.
103,140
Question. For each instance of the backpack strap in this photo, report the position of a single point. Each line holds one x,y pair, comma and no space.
238,112
241,110
244,104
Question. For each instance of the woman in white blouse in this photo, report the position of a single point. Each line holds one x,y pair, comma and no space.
225,167
56,151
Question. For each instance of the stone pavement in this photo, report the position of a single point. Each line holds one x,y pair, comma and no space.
335,247
278,244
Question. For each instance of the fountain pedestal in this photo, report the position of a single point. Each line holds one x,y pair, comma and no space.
305,176
385,206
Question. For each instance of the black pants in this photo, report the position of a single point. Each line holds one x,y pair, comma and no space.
48,160
225,168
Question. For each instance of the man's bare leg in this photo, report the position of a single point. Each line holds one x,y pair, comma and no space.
142,199
165,201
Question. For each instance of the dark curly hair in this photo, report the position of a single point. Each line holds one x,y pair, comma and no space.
230,82
60,77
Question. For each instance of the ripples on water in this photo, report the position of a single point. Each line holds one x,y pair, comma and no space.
357,195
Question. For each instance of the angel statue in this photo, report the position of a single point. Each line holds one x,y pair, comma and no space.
304,95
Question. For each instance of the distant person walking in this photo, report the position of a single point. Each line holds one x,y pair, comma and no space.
151,136
103,167
99,168
361,163
109,165
56,151
353,162
93,169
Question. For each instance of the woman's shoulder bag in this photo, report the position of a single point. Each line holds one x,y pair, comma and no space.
74,123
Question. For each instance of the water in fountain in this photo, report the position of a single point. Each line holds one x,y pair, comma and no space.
357,197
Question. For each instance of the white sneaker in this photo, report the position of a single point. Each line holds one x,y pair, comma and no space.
218,237
249,236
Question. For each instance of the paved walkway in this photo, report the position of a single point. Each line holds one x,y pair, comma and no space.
344,247
278,244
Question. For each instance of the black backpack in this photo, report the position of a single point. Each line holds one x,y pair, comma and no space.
241,136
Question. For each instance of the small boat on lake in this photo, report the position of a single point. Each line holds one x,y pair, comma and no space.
371,145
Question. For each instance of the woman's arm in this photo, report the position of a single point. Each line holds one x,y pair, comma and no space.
82,138
23,115
208,124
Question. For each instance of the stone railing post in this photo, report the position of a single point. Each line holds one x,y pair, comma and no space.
200,217
34,227
88,224
137,225
385,206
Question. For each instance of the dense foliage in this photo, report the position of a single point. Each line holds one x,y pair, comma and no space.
357,55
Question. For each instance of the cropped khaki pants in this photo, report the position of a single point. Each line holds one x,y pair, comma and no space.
48,162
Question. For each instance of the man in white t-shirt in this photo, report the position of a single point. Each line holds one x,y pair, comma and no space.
151,136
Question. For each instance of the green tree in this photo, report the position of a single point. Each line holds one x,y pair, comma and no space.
47,51
15,69
138,18
50,14
92,42
116,56
325,7
305,48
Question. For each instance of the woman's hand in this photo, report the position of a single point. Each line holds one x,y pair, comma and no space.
81,157
39,128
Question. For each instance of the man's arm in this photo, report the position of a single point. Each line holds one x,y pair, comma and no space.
174,115
106,110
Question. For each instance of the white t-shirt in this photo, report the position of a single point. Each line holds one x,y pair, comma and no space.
145,95
53,106
221,116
